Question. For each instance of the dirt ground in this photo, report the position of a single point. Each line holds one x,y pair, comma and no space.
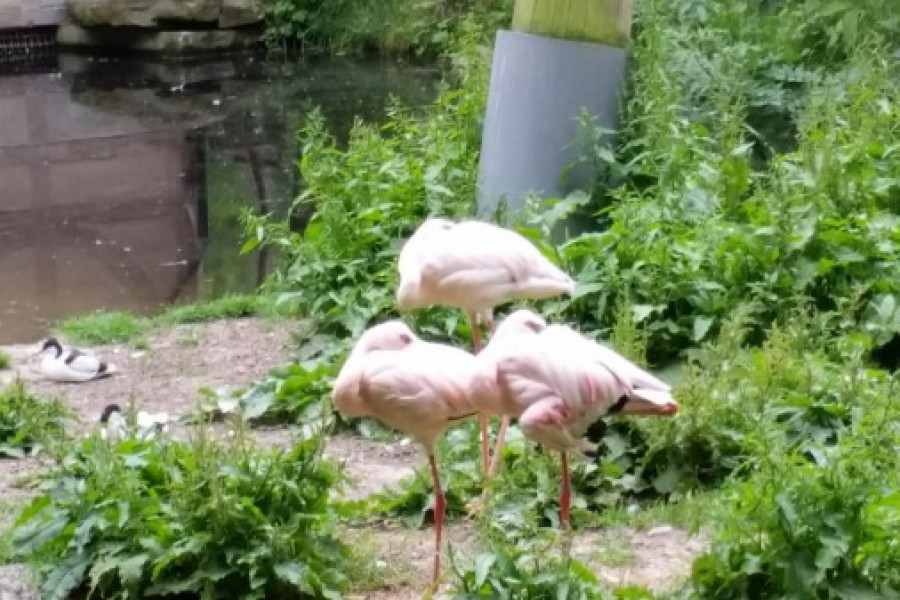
178,361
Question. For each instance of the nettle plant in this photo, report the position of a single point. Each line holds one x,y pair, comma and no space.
819,519
366,199
745,171
141,519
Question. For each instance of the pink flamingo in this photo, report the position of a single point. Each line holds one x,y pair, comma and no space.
474,266
558,383
418,387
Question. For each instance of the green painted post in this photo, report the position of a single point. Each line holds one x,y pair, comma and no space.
602,21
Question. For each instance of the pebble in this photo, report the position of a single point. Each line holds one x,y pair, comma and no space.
14,583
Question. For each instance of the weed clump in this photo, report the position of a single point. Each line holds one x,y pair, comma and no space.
154,518
29,424
103,328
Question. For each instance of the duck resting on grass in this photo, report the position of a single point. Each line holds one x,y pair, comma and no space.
114,426
72,365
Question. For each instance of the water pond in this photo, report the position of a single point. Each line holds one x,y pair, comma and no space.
122,180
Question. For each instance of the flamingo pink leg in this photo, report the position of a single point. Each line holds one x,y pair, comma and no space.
485,443
565,495
504,422
439,506
482,418
498,446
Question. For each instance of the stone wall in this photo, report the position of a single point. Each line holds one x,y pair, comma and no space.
16,14
224,14
143,25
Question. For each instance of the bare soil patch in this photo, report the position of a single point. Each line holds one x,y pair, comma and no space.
658,559
167,375
372,467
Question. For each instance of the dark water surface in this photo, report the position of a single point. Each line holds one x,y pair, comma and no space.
122,180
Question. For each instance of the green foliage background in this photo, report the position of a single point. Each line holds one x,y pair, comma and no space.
744,233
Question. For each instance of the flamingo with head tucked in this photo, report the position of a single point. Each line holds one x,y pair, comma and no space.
418,387
559,383
474,266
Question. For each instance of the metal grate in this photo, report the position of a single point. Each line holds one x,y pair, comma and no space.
27,50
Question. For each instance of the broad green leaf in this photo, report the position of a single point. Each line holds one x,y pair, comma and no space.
701,327
32,535
296,574
641,312
667,481
65,578
483,568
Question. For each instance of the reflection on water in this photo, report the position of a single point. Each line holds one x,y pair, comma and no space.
122,181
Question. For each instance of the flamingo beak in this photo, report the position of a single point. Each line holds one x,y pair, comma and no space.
641,406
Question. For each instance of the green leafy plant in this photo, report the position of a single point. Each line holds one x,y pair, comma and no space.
817,523
700,211
743,235
155,518
530,563
29,424
366,199
118,327
509,572
388,27
4,360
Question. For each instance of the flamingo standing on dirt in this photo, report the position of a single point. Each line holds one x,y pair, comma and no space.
474,266
418,387
559,383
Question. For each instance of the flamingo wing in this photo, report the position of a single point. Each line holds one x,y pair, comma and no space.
547,422
510,257
629,373
421,389
475,263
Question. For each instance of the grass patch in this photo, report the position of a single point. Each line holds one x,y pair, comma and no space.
4,360
690,512
228,307
103,328
119,327
616,553
373,567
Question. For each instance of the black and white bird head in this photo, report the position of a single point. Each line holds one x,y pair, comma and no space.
52,344
113,425
109,411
